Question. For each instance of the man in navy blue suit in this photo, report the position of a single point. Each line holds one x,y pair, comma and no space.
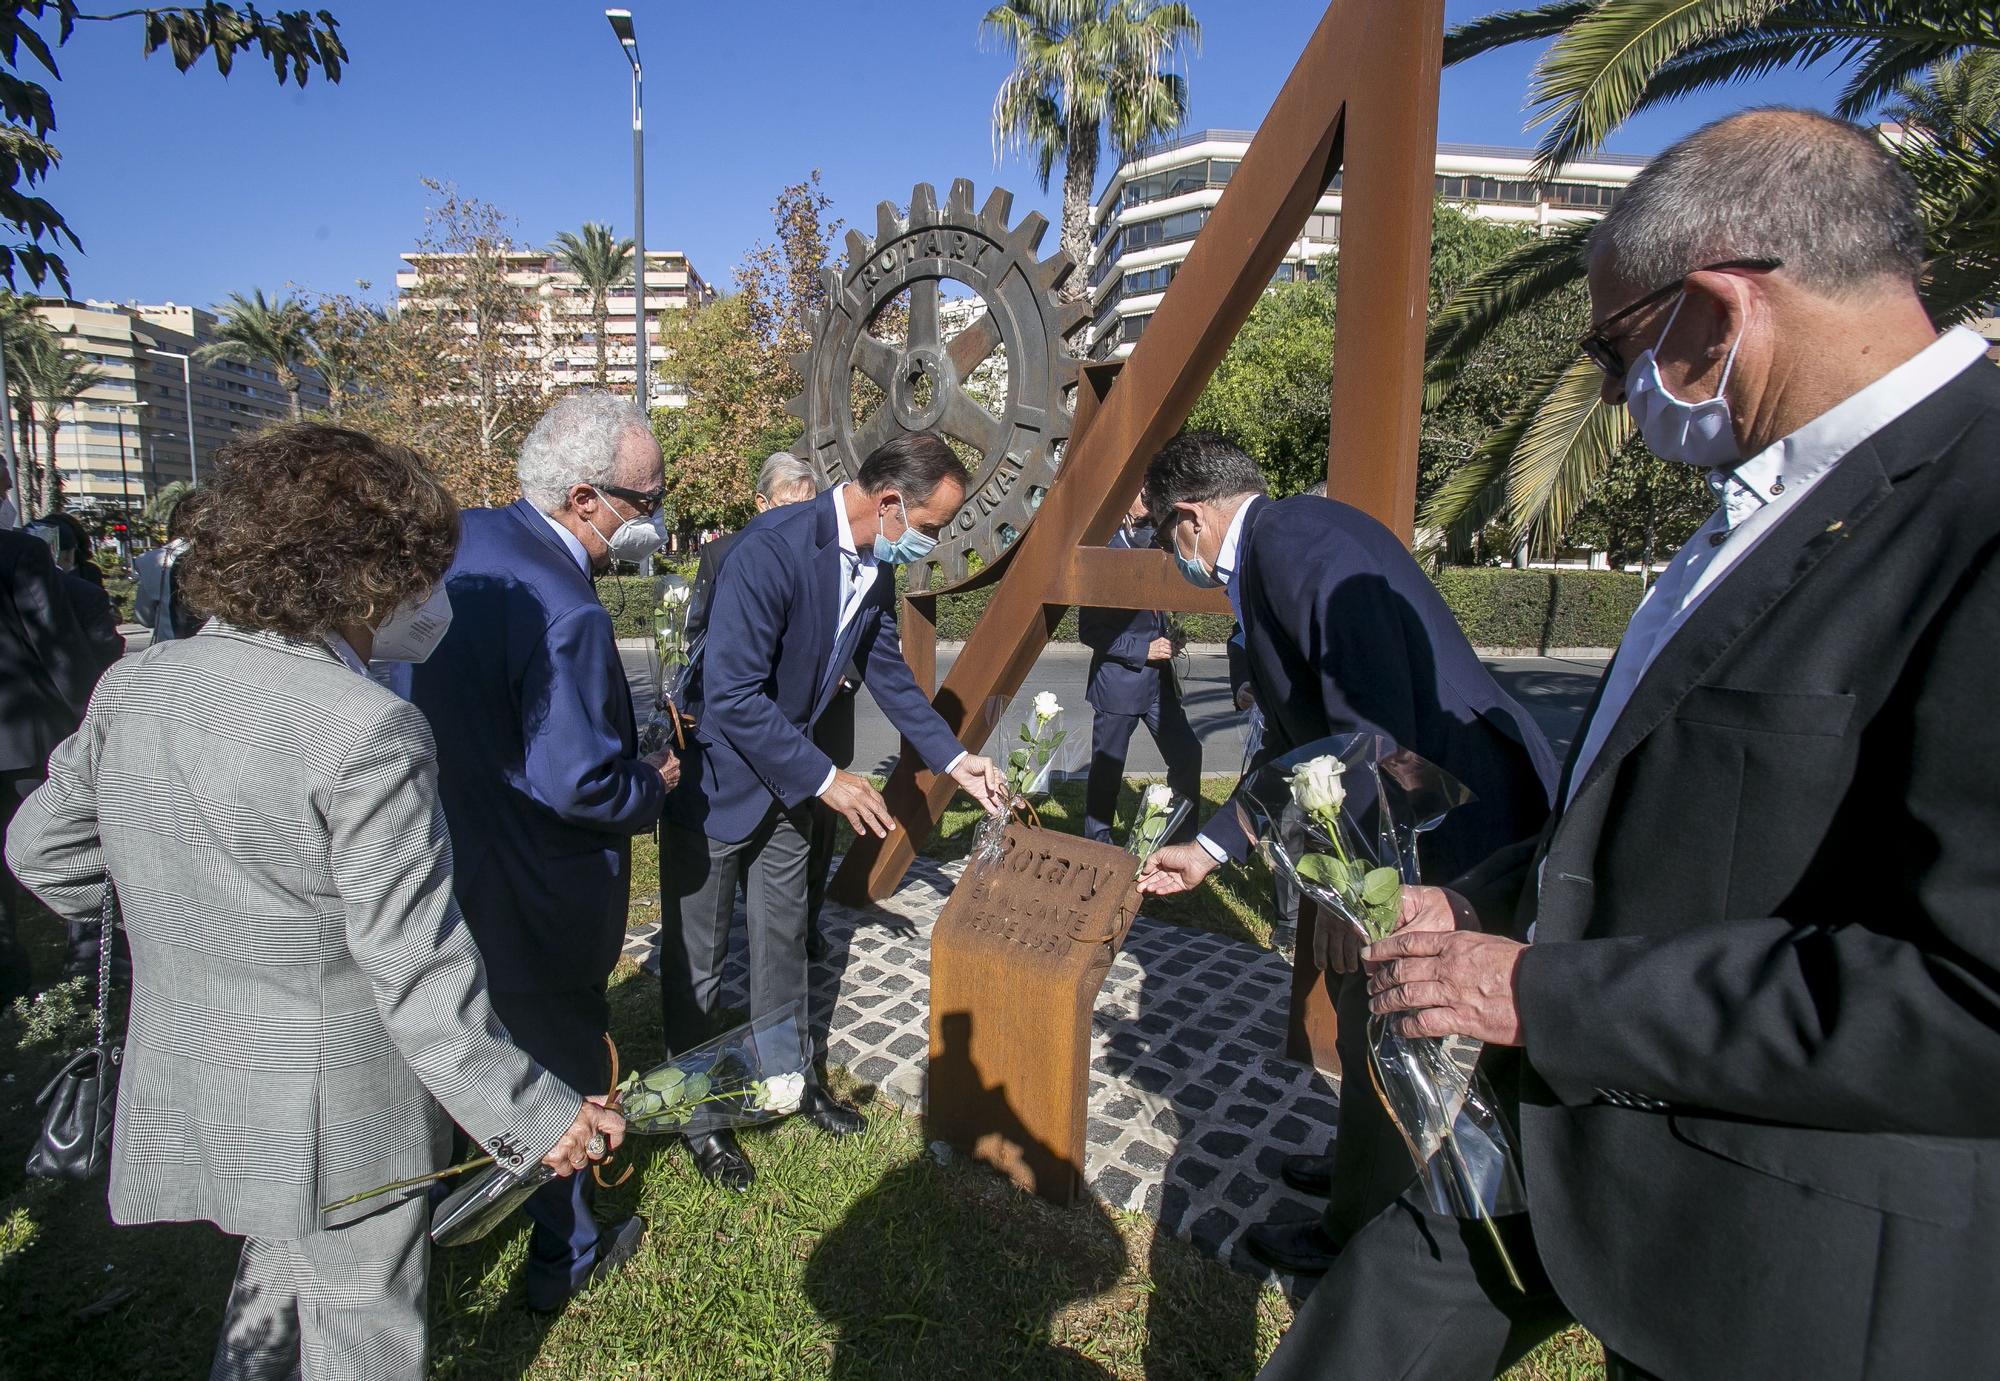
539,770
1342,633
1132,682
809,589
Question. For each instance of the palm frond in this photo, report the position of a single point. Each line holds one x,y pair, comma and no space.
1490,31
1531,274
1564,449
1595,74
1740,57
1888,65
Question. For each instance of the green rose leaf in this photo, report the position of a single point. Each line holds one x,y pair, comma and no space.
696,1089
1322,870
1381,887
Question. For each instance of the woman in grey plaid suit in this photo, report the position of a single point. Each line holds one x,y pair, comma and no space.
304,993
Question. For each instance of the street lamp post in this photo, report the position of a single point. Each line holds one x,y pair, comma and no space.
628,39
187,392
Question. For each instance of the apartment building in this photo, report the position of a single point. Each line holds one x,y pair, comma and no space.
130,435
565,343
1146,220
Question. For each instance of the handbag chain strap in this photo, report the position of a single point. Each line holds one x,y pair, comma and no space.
107,928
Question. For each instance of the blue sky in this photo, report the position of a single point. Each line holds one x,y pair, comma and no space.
185,187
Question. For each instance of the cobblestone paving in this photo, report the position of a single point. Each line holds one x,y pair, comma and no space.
1192,1103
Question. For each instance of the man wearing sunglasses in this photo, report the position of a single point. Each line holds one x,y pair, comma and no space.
1742,998
539,769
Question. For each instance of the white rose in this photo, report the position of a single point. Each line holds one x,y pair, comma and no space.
675,594
1157,799
1047,707
782,1093
1316,786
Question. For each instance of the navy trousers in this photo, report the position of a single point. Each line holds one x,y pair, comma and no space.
1111,737
564,1031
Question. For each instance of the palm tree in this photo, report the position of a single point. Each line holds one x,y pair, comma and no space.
255,329
601,260
1612,58
18,323
55,379
339,336
1078,66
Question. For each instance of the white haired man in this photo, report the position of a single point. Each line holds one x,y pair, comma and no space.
1742,998
539,770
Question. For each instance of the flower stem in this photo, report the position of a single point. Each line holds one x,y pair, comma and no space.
410,1183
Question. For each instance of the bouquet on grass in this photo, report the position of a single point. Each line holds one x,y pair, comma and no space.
669,722
755,1073
1341,819
1160,814
1036,755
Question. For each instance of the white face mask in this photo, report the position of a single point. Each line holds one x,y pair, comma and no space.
1689,433
412,631
635,539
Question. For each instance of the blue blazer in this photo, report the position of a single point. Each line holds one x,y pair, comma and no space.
1122,681
1344,633
537,756
769,672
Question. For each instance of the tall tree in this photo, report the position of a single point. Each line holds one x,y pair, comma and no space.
254,328
602,260
55,378
1080,65
1612,58
341,336
293,41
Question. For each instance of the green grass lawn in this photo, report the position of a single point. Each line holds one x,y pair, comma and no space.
860,1258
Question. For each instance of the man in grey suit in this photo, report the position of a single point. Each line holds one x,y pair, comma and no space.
304,990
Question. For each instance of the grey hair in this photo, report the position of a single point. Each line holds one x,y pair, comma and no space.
1818,193
783,470
576,442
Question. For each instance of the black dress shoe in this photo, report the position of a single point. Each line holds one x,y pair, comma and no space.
1300,1249
1308,1174
721,1161
615,1247
829,1114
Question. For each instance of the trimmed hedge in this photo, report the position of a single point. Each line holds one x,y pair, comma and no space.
1496,607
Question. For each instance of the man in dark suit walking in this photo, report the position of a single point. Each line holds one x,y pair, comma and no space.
808,590
48,668
539,770
1132,682
785,479
1741,999
1343,633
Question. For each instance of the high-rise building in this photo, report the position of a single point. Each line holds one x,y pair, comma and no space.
1145,221
566,345
127,436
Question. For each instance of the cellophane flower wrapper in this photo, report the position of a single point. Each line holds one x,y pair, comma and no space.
1032,747
678,660
1431,1087
1160,814
755,1073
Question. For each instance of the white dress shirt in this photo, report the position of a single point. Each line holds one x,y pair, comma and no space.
1226,563
569,540
1754,498
858,570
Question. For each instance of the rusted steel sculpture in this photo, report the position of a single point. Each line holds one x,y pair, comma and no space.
1362,100
1017,957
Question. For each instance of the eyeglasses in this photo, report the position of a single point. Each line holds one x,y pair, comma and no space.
1597,342
647,501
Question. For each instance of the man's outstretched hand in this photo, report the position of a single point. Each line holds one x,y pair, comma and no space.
982,781
860,804
1176,868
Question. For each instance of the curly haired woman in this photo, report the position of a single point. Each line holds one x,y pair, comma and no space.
305,994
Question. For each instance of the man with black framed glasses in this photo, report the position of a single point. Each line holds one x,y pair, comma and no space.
1741,1000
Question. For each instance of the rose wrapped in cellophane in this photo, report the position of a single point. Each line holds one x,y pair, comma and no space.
668,724
1160,814
1341,819
754,1073
1038,750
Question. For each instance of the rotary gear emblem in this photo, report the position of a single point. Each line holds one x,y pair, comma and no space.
1001,385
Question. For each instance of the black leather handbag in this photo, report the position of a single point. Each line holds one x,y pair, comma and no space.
78,1103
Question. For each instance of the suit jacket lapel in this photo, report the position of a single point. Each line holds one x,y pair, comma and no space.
538,527
829,573
1823,520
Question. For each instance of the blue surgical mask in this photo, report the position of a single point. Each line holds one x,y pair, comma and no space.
911,547
1196,574
1700,434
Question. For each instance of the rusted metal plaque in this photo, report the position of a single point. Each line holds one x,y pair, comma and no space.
1017,957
